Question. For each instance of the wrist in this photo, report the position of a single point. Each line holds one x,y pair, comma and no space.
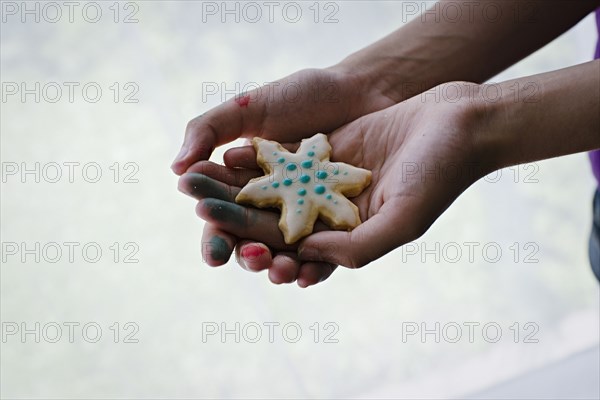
379,77
354,68
489,138
475,123
367,93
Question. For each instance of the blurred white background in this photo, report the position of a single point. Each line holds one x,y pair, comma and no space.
171,298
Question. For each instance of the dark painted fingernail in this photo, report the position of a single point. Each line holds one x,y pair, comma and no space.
219,249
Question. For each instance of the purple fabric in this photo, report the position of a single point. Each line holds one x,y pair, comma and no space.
597,54
595,155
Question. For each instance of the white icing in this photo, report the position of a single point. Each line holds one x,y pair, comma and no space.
323,190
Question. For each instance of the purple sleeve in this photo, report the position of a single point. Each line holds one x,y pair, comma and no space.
597,54
595,155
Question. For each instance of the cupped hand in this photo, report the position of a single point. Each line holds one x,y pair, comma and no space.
288,110
422,153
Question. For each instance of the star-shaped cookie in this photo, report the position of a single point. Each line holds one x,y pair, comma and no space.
305,185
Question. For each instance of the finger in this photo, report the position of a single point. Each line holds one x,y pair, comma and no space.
253,256
201,186
284,269
391,227
241,157
217,245
204,133
312,273
247,222
245,156
232,176
220,125
243,222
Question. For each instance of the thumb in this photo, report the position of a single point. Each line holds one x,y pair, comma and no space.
372,239
218,126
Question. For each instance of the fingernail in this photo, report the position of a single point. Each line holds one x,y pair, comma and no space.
302,283
252,252
255,257
218,250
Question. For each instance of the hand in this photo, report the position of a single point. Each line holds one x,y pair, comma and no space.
308,101
286,111
422,153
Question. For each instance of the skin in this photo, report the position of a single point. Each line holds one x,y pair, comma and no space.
219,249
401,139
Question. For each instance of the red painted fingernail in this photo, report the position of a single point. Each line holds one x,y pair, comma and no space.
252,252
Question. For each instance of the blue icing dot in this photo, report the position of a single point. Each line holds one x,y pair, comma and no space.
304,178
275,184
319,189
337,171
301,192
313,146
281,160
328,197
300,201
311,153
291,166
298,211
321,174
306,164
274,153
287,182
264,188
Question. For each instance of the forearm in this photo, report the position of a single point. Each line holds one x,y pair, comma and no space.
471,44
541,116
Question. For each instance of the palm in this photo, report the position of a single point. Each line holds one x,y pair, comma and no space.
420,163
327,100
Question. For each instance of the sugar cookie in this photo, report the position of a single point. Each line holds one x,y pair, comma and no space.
305,185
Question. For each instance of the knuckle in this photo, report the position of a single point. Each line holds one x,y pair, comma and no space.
416,231
356,256
207,168
191,126
195,123
202,148
246,217
355,262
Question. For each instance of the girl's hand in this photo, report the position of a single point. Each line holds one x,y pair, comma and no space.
410,148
